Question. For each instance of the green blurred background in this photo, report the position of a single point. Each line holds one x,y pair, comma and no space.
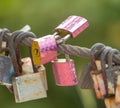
43,16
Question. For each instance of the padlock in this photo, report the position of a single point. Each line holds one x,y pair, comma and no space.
111,75
96,85
100,78
117,94
27,69
72,26
96,73
6,68
64,72
26,87
108,70
85,80
111,103
7,71
44,50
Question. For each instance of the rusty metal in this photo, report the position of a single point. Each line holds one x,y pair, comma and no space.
26,86
111,103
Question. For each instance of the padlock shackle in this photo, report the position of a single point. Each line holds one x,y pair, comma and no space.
109,58
17,41
94,53
105,57
2,36
14,48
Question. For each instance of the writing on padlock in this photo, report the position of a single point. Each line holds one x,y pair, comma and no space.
64,72
44,50
28,86
73,26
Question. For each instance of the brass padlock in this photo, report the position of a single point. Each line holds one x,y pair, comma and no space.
26,86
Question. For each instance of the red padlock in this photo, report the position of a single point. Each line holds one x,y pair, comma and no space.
44,50
64,72
73,26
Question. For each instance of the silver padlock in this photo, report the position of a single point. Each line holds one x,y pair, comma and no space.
28,68
26,87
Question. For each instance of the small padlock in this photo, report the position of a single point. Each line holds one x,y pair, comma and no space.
26,87
108,71
6,68
85,80
96,85
100,78
64,72
111,103
44,50
96,73
72,26
117,94
111,74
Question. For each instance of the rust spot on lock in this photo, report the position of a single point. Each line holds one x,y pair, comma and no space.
30,80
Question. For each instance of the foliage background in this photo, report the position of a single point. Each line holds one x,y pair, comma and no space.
43,16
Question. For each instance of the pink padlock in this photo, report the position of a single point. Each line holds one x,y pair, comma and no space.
73,25
64,72
44,50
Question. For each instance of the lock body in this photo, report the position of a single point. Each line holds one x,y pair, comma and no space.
64,72
73,25
6,70
28,69
100,78
117,95
96,85
44,50
29,87
111,103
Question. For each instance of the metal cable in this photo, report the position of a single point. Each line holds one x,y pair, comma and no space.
71,49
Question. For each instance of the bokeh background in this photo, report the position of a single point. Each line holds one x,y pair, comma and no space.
43,16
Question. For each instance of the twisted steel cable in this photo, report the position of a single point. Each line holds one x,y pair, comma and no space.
70,49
